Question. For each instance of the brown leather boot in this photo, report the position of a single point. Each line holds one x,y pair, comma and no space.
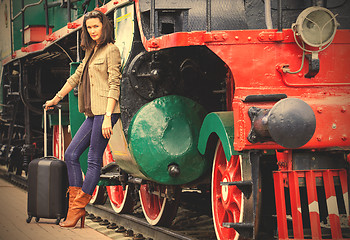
77,211
73,192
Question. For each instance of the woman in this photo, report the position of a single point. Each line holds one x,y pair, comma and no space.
98,81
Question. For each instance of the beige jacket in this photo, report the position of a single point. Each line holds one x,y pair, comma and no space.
104,78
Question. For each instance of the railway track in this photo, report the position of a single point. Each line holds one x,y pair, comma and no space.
193,220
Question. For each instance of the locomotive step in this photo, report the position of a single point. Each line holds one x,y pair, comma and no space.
244,229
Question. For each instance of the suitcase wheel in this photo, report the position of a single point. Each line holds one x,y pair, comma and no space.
58,220
29,219
37,219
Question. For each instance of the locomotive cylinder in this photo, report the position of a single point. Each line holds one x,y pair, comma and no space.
162,142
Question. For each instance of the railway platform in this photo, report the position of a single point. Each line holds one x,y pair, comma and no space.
101,223
13,225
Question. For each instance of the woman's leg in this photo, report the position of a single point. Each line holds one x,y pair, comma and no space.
79,143
97,146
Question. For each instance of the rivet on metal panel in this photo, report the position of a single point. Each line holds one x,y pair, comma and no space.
50,38
344,137
343,109
153,43
72,25
236,37
319,110
319,138
249,38
334,126
271,36
214,37
261,37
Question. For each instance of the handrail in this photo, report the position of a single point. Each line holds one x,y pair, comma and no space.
24,8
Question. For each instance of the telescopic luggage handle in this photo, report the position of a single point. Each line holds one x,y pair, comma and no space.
59,107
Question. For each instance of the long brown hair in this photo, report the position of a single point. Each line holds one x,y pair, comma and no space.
107,30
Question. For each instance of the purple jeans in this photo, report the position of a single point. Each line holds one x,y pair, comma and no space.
88,135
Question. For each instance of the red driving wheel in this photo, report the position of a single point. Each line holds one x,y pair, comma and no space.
121,199
158,209
227,201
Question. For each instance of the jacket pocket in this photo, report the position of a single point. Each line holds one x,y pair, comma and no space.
99,61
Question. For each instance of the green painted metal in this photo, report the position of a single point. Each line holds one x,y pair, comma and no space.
58,16
220,123
107,182
165,132
53,118
76,118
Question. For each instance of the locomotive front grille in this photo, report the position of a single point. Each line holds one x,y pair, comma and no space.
310,210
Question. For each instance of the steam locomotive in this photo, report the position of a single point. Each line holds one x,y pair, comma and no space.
247,100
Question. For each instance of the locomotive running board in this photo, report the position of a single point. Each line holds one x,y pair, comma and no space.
328,208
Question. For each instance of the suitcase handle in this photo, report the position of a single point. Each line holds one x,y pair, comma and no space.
55,107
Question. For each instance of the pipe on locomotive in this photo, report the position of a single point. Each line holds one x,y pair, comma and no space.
279,16
268,17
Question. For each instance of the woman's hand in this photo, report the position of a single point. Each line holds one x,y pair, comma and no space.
107,127
51,102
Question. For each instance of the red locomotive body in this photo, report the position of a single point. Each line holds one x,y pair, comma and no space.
260,65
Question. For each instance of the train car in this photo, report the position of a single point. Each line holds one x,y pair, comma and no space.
246,100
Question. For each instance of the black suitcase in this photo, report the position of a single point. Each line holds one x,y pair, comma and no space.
47,185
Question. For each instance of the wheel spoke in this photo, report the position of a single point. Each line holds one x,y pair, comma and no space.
222,169
235,169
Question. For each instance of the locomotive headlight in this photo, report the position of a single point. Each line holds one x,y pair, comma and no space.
316,26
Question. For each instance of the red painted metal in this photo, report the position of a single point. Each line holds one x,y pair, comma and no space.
269,36
295,205
280,68
34,34
290,179
280,205
345,190
72,25
332,121
120,198
227,201
313,205
332,205
284,160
